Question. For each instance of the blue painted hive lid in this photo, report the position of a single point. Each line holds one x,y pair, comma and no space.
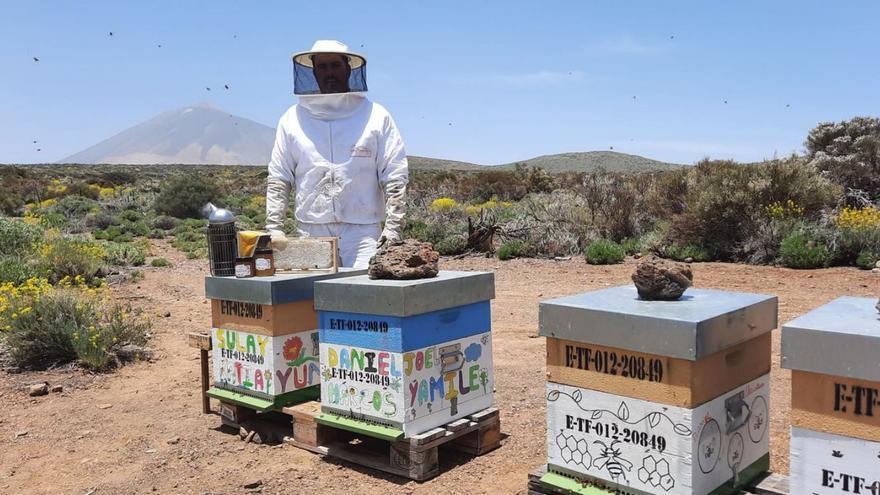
701,323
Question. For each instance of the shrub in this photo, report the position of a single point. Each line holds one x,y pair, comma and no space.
868,259
452,245
604,252
14,270
185,195
101,220
65,326
164,222
632,245
18,238
681,253
802,249
160,263
74,206
83,189
124,254
515,249
444,204
71,257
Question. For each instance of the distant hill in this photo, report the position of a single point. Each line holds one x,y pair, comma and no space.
592,160
562,162
205,135
200,134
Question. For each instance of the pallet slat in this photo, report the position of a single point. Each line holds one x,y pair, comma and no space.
386,449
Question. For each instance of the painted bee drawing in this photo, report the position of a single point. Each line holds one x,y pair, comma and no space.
710,449
610,460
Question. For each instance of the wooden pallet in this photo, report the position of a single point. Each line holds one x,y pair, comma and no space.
540,484
379,448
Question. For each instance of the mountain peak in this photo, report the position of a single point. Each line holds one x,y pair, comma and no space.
199,134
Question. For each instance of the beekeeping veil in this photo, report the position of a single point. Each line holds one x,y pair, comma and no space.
329,68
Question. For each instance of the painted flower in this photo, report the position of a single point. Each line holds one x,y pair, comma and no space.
292,348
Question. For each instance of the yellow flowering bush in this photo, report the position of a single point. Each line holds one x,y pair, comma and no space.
17,300
858,218
68,324
71,257
491,204
444,204
783,210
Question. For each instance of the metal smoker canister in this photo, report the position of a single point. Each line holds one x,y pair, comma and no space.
222,241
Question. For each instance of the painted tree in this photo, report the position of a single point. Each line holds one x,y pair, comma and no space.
849,153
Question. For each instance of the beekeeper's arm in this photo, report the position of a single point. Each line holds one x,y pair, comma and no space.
280,182
393,178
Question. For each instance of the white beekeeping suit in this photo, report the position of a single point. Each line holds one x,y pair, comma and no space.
340,154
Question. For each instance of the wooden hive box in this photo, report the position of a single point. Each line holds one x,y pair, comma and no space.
835,398
264,338
410,355
659,396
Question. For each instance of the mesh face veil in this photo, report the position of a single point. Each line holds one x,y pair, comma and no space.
329,68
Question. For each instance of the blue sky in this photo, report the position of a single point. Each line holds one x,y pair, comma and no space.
515,79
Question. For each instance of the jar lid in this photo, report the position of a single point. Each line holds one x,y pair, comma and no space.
243,260
266,250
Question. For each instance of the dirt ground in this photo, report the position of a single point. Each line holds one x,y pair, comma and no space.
141,430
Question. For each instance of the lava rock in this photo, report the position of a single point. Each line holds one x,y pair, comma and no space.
253,484
38,389
57,389
657,279
407,260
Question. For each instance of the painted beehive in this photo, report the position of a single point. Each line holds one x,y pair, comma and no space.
264,337
407,354
658,396
835,397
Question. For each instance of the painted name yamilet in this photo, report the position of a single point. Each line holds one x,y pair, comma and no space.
410,389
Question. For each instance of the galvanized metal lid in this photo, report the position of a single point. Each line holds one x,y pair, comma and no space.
701,323
277,289
404,297
841,338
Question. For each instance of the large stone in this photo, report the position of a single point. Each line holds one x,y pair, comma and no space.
405,260
38,389
657,279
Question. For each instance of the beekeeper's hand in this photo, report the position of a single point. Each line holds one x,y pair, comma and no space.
278,240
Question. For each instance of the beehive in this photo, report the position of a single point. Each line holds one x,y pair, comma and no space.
835,397
408,355
658,396
264,338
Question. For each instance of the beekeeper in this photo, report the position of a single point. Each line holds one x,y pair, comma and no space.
340,154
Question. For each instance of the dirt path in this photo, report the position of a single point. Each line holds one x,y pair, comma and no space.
154,439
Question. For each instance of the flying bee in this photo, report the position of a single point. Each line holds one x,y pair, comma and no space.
610,460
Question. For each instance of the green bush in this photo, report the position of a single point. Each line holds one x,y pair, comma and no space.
164,222
16,271
632,245
451,245
65,326
868,259
81,189
101,220
604,252
18,238
74,206
69,257
803,250
11,203
185,195
131,215
160,263
681,253
124,254
516,249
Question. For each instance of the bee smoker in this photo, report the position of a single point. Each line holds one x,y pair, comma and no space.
451,359
222,240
